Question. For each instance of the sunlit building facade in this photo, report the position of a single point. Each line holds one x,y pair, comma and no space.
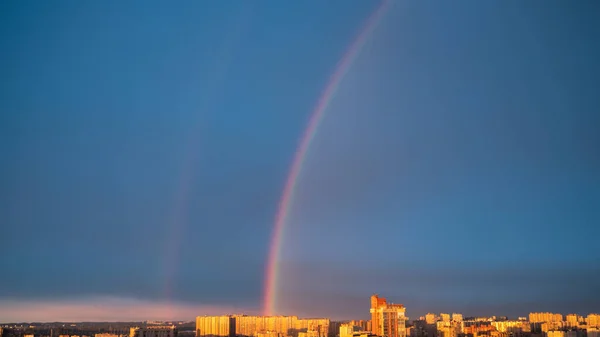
109,335
347,330
215,326
262,326
365,325
513,327
544,317
593,320
268,334
387,319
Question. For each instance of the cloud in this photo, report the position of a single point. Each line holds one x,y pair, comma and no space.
230,278
98,309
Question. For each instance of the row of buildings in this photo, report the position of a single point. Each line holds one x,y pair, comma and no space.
145,331
556,321
390,320
263,326
538,325
387,319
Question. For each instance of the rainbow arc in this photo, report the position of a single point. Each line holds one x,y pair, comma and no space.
271,273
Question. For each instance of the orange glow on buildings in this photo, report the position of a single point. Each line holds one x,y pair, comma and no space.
261,326
387,319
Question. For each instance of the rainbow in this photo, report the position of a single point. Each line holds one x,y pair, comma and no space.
271,274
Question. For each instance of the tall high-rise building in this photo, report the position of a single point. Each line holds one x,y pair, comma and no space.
376,304
387,320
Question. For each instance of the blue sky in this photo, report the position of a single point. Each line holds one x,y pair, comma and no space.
145,147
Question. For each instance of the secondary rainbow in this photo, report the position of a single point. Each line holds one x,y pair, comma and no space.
271,274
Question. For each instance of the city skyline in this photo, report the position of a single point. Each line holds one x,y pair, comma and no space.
387,320
150,312
292,158
245,321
